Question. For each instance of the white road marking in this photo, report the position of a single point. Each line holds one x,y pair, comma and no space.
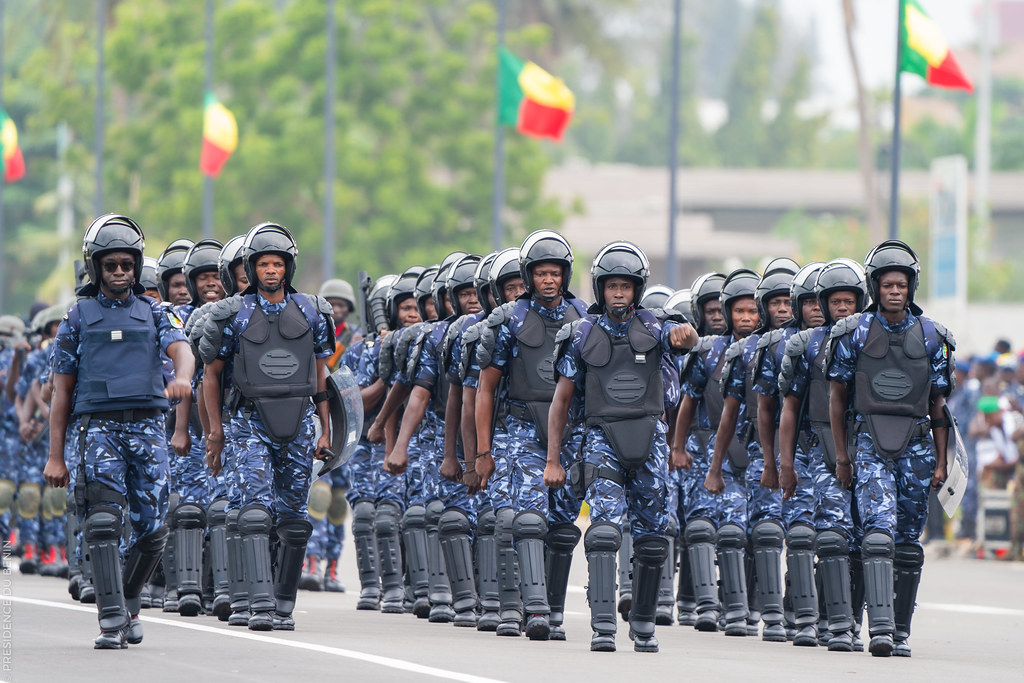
973,609
389,662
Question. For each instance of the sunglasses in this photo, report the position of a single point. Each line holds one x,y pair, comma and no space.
127,266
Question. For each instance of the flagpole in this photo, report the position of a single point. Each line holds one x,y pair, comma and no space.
2,181
208,87
897,96
329,237
498,193
671,266
101,25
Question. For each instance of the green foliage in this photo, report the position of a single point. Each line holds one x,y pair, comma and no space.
414,127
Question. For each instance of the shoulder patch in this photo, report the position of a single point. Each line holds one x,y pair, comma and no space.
174,319
945,334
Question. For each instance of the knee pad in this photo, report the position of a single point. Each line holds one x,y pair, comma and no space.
189,516
831,543
362,517
877,544
435,509
231,521
153,543
102,524
319,499
55,502
6,495
729,536
908,556
767,533
337,511
254,519
29,498
529,525
602,536
453,523
563,538
217,513
415,518
700,530
801,537
652,550
294,532
486,522
386,522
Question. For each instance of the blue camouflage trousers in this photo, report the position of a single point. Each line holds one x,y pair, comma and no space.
642,498
732,502
189,476
803,506
129,459
698,502
328,538
364,465
454,495
31,459
762,503
274,475
422,475
833,505
501,485
892,495
529,458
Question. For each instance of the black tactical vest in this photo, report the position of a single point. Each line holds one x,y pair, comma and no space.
893,386
750,395
624,393
275,368
714,403
818,408
531,371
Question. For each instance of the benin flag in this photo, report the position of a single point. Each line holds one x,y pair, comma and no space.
925,51
14,162
220,136
531,99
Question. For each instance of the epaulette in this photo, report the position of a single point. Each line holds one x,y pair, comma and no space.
213,327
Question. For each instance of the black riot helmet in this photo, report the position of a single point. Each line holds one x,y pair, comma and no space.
680,302
112,232
892,255
202,257
461,274
505,267
656,296
781,263
802,288
269,238
620,259
740,283
705,288
148,279
439,289
841,274
377,301
772,284
230,257
544,246
424,290
480,282
401,289
171,262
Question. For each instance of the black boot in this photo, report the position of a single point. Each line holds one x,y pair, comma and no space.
561,540
602,542
293,535
649,555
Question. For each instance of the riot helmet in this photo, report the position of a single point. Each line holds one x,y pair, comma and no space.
461,274
544,246
680,302
401,289
772,284
505,267
480,282
269,238
230,258
705,288
892,255
620,259
171,262
377,302
841,274
112,232
149,279
740,283
202,257
424,291
11,327
802,288
439,288
656,297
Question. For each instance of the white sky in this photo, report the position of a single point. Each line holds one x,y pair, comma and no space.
876,39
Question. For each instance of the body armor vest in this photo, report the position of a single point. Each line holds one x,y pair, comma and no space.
892,384
532,372
120,367
275,368
624,393
817,401
714,403
749,394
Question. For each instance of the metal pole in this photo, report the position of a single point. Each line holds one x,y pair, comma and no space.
65,209
2,182
101,26
894,192
208,87
983,135
498,194
329,237
671,266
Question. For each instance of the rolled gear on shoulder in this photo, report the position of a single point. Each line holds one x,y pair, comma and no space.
700,541
486,555
102,536
560,542
414,536
732,541
389,553
602,542
454,528
189,531
363,514
293,535
803,591
649,555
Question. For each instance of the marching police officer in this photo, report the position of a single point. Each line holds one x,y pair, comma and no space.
891,366
279,341
107,372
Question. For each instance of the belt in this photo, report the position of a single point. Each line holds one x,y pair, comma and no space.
130,415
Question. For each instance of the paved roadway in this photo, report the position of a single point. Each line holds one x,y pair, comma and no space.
968,626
